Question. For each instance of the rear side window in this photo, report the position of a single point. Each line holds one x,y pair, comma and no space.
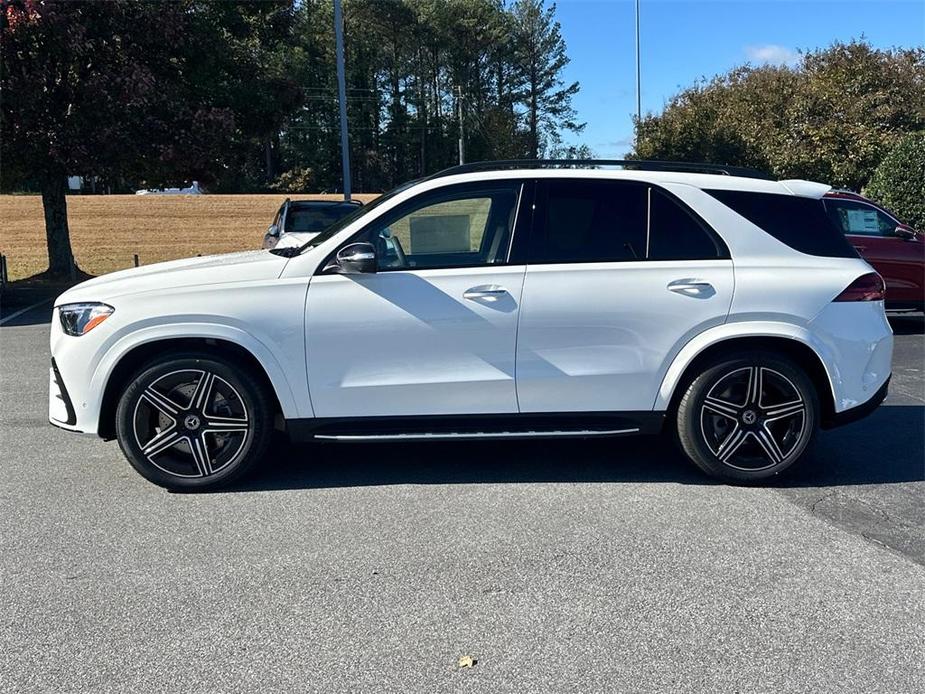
801,223
588,221
591,221
675,234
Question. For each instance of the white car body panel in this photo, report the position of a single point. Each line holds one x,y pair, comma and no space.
599,336
237,298
588,337
852,340
411,344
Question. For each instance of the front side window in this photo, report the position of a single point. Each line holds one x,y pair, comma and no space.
459,226
858,219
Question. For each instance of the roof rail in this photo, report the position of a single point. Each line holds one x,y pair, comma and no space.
630,164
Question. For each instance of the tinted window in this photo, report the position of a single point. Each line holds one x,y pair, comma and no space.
315,218
801,223
590,221
675,234
457,226
856,218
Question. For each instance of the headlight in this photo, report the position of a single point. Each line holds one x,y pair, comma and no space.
79,319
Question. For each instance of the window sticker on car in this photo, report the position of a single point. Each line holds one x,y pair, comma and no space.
862,222
440,234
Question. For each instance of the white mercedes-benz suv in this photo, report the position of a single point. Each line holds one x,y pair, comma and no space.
493,300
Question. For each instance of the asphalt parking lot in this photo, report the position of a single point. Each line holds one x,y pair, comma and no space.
558,566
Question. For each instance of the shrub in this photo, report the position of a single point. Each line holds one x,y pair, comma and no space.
899,181
295,181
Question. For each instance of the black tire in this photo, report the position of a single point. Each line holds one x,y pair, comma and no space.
193,422
730,434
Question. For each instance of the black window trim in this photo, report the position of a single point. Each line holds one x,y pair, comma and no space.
521,184
521,251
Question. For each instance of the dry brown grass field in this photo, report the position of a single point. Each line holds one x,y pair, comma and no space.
107,230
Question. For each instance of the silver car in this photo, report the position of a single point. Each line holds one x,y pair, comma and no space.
306,218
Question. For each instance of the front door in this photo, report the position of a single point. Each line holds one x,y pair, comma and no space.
620,276
433,331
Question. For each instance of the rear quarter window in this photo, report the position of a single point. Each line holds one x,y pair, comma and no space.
801,223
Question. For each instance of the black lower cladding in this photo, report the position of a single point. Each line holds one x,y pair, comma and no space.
518,423
68,406
859,412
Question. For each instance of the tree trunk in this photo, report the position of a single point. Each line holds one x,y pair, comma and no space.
269,160
57,234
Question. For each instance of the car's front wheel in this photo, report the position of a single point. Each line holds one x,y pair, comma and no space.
194,422
748,417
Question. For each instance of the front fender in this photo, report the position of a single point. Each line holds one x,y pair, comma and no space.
285,390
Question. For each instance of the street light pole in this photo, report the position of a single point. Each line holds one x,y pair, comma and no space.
638,78
462,140
342,94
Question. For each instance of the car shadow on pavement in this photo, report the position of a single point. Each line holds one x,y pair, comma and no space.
907,323
885,448
27,304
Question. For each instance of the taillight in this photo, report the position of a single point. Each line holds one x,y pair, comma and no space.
867,287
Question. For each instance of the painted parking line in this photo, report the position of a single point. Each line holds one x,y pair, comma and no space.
21,311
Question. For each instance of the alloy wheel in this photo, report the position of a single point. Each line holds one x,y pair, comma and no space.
191,423
753,418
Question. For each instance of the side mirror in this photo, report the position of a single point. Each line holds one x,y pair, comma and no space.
271,238
904,231
356,259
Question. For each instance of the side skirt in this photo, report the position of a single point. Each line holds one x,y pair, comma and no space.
482,426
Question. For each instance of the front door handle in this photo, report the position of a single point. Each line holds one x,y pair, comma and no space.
491,292
692,287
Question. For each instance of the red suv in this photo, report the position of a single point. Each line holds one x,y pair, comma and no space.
895,249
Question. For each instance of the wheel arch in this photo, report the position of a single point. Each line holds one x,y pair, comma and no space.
137,356
691,360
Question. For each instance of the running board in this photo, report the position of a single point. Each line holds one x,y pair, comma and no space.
549,425
447,436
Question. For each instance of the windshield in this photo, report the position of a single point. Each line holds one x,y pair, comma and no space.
342,223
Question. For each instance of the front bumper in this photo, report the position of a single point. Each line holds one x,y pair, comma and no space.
60,408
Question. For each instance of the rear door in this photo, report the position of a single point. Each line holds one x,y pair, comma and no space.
899,261
620,275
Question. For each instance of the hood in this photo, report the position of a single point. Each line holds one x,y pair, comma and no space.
214,269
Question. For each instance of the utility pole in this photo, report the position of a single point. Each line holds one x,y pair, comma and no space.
342,94
459,100
638,78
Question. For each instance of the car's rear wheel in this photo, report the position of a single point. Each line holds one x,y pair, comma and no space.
194,422
748,417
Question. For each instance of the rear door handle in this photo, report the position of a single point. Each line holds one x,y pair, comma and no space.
691,287
491,292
